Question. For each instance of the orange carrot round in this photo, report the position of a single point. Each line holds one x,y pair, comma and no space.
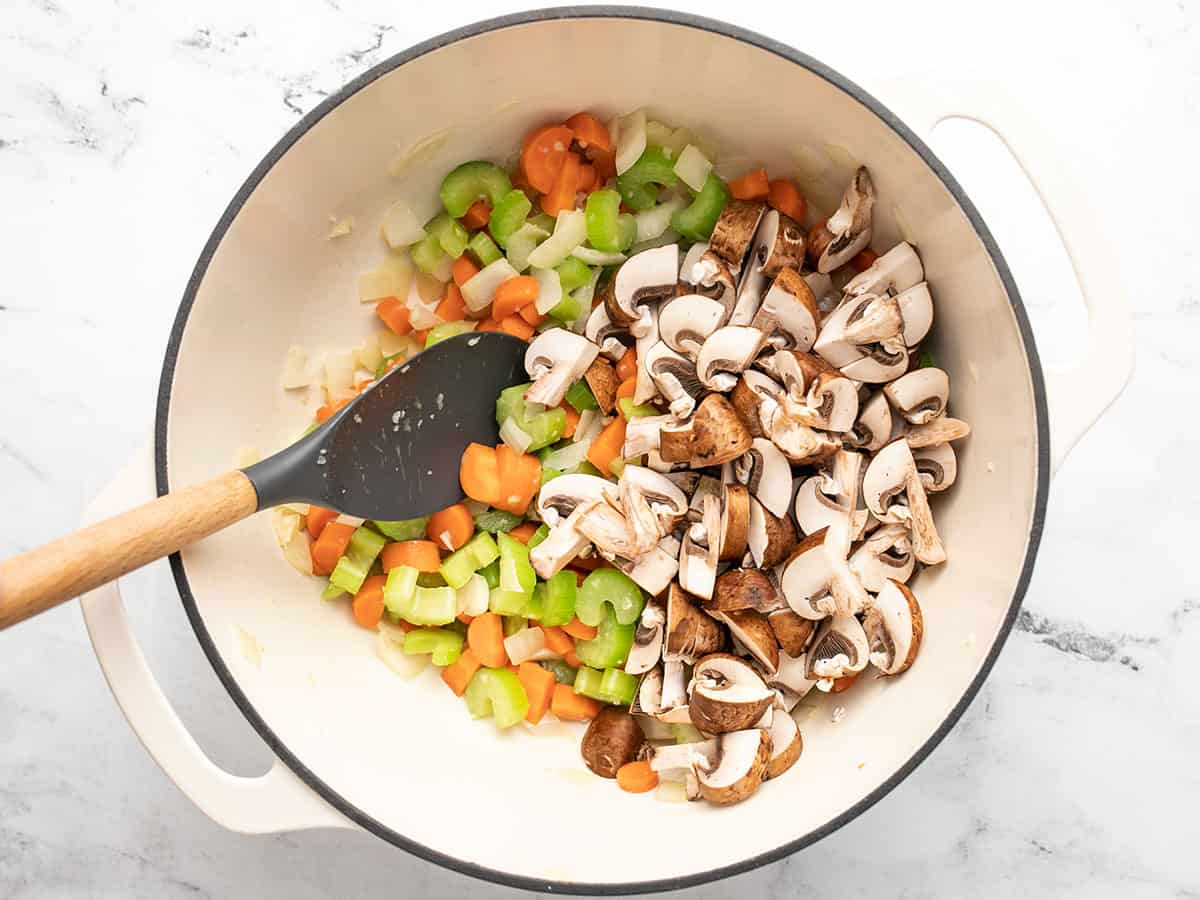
539,688
368,602
458,674
627,365
485,638
530,315
637,777
451,527
317,518
558,640
627,388
453,307
784,196
587,178
543,155
579,631
572,419
325,413
479,474
751,186
572,707
329,547
463,270
589,131
520,477
395,315
607,445
561,195
523,532
512,295
421,555
477,215
517,327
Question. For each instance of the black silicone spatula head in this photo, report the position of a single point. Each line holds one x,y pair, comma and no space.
394,452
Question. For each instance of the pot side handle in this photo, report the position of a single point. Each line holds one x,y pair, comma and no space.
275,801
1078,394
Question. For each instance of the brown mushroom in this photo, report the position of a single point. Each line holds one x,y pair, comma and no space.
713,435
602,381
744,589
727,694
792,631
835,241
786,744
771,537
735,520
613,739
752,630
894,626
691,632
741,765
734,231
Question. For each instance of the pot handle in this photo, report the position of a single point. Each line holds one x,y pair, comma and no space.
276,801
1078,394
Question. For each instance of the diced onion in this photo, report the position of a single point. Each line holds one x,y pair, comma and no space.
340,227
400,226
678,139
427,288
391,651
392,344
567,457
339,374
671,792
693,167
298,553
368,356
585,292
285,524
549,290
522,242
352,521
570,230
588,426
526,644
670,236
512,434
391,279
597,257
631,140
479,289
653,223
295,369
657,133
654,730
444,270
300,509
472,597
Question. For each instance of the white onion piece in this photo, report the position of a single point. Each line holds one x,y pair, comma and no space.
550,290
585,292
479,289
670,236
444,270
295,369
527,644
339,374
472,597
588,426
658,133
400,225
296,551
595,257
513,435
352,521
368,356
570,230
285,524
391,651
693,167
391,279
631,140
671,792
675,143
392,344
523,242
569,456
300,509
653,223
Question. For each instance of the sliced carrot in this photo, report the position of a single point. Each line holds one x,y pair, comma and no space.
572,707
637,777
477,215
479,474
627,388
558,640
520,477
451,527
784,196
572,419
512,295
329,547
605,163
530,314
452,308
627,364
488,325
562,195
571,659
607,445
843,684
523,532
751,186
459,673
325,413
485,638
587,178
863,260
317,518
579,631
543,155
463,270
589,131
464,618
404,625
368,602
517,327
395,315
421,555
539,688
421,335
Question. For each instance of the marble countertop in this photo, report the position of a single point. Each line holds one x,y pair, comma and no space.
125,126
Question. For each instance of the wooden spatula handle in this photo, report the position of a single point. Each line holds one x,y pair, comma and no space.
46,576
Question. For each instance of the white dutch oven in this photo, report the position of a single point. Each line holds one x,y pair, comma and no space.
401,758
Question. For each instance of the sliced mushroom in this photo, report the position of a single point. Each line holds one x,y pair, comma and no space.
652,505
916,308
831,498
936,431
687,268
647,638
735,520
663,694
685,323
754,389
831,343
766,473
555,360
779,244
675,378
644,277
876,319
691,632
822,288
712,278
843,235
894,471
751,629
741,764
651,571
879,366
613,738
645,331
893,626
606,335
873,428
790,676
896,271
602,381
735,230
839,648
921,395
739,589
563,543
726,353
789,316
700,549
872,363
829,398
786,745
713,435
726,694
771,537
642,435
559,497
816,580
884,556
800,443
686,481
607,528
938,466
792,631
697,755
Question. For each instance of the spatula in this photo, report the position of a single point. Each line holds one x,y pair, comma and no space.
393,453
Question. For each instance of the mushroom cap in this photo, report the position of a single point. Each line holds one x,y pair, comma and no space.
647,639
936,431
741,764
652,504
735,521
605,334
807,577
766,473
700,548
603,382
771,538
752,630
675,377
873,428
751,391
686,322
878,366
937,465
714,435
792,631
916,308
734,232
651,571
562,545
874,318
558,497
839,648
789,315
886,476
786,745
727,352
613,739
738,589
555,359
896,271
690,631
885,555
727,694
644,277
894,627
921,395
778,244
848,231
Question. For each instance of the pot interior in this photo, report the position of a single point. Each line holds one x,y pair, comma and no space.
405,753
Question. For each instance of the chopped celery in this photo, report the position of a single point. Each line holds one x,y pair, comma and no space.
331,592
508,215
561,591
472,181
617,686
543,532
513,624
627,231
587,681
686,733
611,645
443,330
568,309
536,607
521,243
351,570
484,248
925,360
405,529
570,230
584,468
579,395
451,235
347,576
430,579
612,588
498,693
573,273
491,574
507,603
544,428
602,209
696,221
548,474
428,254
494,520
516,574
563,673
640,183
631,410
446,646
433,606
543,220
475,554
400,590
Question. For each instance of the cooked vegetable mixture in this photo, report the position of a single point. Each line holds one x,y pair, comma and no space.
712,493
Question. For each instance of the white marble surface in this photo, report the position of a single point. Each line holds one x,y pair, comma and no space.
124,129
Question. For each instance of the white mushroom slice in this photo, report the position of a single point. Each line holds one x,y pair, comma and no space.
790,676
601,331
652,505
645,331
693,756
885,555
712,436
675,378
879,366
685,481
645,277
829,398
562,545
559,497
896,271
685,323
735,231
712,278
893,626
752,390
873,428
647,638
751,629
938,467
735,520
555,360
691,632
848,231
839,648
741,588
921,395
607,528
789,315
674,689
693,256
916,308
700,548
875,319
642,435
727,352
800,443
726,694
816,581
937,431
771,538
786,745
652,571
822,287
741,764
831,499
765,471
779,244
831,343
894,471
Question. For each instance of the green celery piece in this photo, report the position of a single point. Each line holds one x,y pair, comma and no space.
544,221
584,468
446,646
352,568
475,554
626,231
456,627
612,588
510,404
544,428
400,590
347,575
315,425
640,183
548,474
617,686
686,733
587,682
433,606
602,209
695,222
451,235
610,647
561,592
473,181
494,520
498,693
579,395
516,574
925,360
428,254
573,273
443,330
331,592
563,673
491,574
543,532
631,410
568,309
616,467
513,624
484,248
405,529
523,242
536,607
508,215
507,603
430,579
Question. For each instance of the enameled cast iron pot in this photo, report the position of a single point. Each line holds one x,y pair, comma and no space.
357,747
